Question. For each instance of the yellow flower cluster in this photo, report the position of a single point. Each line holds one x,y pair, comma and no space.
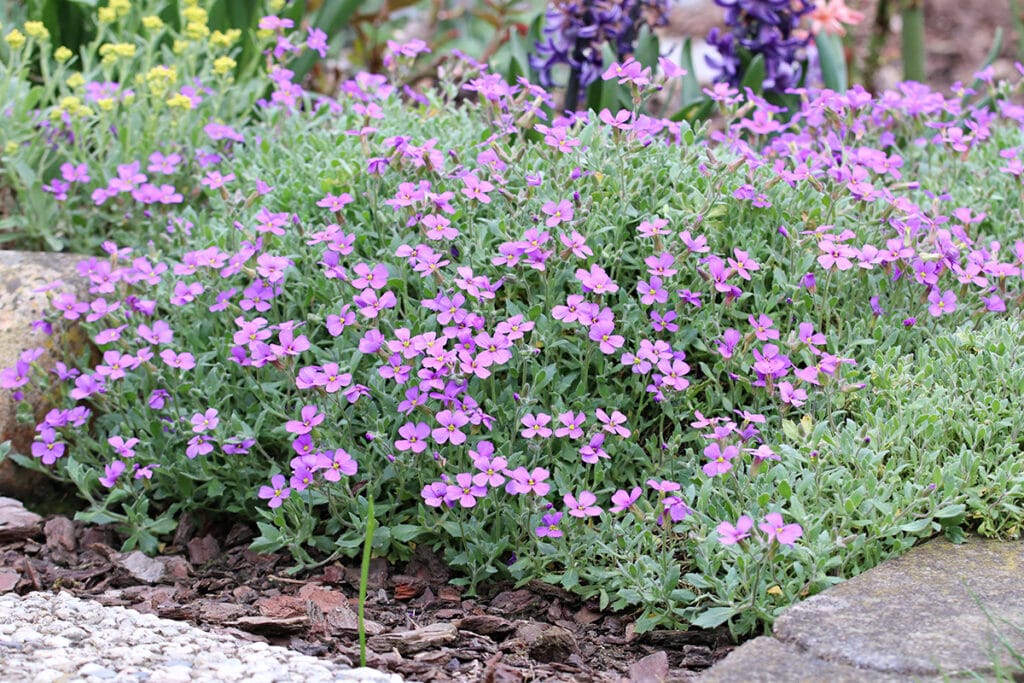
196,19
62,54
110,52
76,80
71,106
224,65
114,10
15,39
35,29
179,101
152,22
161,78
225,38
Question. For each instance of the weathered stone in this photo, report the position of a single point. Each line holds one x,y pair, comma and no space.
927,613
8,580
17,523
22,276
651,669
143,568
766,660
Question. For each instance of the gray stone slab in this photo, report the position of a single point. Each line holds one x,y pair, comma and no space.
767,660
921,614
22,274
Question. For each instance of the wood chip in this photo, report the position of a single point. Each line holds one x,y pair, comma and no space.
417,640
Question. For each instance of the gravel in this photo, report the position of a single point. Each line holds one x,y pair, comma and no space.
47,637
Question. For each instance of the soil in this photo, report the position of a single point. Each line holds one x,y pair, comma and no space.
418,625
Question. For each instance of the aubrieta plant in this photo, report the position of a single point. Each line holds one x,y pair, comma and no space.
604,350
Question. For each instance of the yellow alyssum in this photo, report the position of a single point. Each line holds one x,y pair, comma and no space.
152,22
110,52
122,7
75,80
179,101
15,39
160,79
196,14
224,65
225,38
35,29
62,54
196,30
72,106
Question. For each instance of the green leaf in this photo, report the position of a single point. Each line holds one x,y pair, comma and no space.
691,88
917,526
754,77
406,532
833,63
951,511
716,616
96,517
646,622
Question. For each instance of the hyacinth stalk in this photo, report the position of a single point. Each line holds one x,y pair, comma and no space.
765,28
576,31
913,40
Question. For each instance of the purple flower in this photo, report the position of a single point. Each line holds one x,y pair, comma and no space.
941,302
434,494
449,430
676,508
572,424
491,469
111,472
317,41
310,417
340,463
198,445
464,491
158,398
523,481
414,437
549,526
124,448
730,535
602,332
207,421
276,492
48,448
182,361
535,425
623,500
720,460
583,506
785,534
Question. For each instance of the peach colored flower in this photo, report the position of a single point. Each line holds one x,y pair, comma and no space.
831,16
